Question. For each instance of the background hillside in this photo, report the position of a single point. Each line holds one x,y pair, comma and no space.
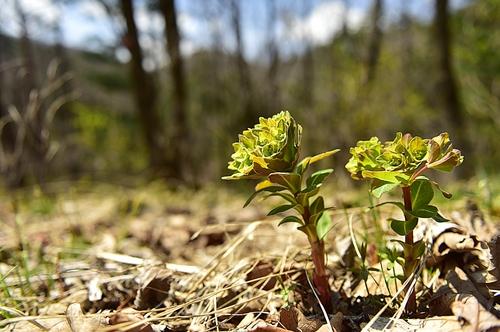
392,69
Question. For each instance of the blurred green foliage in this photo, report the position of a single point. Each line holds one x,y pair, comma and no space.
107,140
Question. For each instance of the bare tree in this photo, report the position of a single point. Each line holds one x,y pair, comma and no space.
29,81
375,42
308,86
274,58
145,93
249,115
447,82
180,135
7,134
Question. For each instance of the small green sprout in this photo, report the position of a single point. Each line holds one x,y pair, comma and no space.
401,163
269,152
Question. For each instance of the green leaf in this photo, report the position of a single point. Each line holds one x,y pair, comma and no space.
304,196
285,196
397,204
317,178
387,176
439,218
444,192
317,206
421,194
427,211
322,156
290,180
273,188
383,187
281,208
289,219
303,165
403,227
324,225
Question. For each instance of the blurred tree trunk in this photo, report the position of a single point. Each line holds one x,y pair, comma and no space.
375,42
308,78
145,94
7,133
181,135
249,116
29,81
274,59
64,63
447,83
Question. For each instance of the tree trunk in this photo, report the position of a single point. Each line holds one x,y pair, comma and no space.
447,86
145,94
375,42
249,116
181,136
274,59
7,134
30,77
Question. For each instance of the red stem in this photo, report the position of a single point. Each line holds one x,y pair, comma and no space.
320,275
408,252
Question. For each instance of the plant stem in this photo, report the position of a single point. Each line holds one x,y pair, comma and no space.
320,276
408,252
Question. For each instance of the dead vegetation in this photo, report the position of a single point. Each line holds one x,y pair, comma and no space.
116,259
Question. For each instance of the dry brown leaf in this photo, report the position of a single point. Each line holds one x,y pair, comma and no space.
130,315
432,324
261,270
495,253
458,288
474,315
335,324
154,287
76,321
294,320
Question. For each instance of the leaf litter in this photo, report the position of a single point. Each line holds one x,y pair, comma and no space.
131,262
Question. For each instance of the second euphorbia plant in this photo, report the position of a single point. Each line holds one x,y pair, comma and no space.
400,164
269,152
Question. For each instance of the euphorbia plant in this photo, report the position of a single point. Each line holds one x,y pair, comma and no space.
400,164
269,152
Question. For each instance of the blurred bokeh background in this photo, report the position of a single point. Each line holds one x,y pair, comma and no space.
111,89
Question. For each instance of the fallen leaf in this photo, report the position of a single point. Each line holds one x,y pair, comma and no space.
130,315
474,315
154,287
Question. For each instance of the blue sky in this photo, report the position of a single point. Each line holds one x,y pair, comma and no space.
86,25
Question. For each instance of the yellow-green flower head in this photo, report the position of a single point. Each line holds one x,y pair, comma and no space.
396,161
270,146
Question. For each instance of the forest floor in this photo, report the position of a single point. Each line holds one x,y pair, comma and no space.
114,258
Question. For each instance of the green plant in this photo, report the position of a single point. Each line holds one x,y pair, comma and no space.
269,152
401,163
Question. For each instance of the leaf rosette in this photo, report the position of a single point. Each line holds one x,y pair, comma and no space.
270,146
400,161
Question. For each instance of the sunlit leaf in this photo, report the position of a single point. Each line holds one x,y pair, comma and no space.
317,178
386,176
383,187
324,225
421,193
323,155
